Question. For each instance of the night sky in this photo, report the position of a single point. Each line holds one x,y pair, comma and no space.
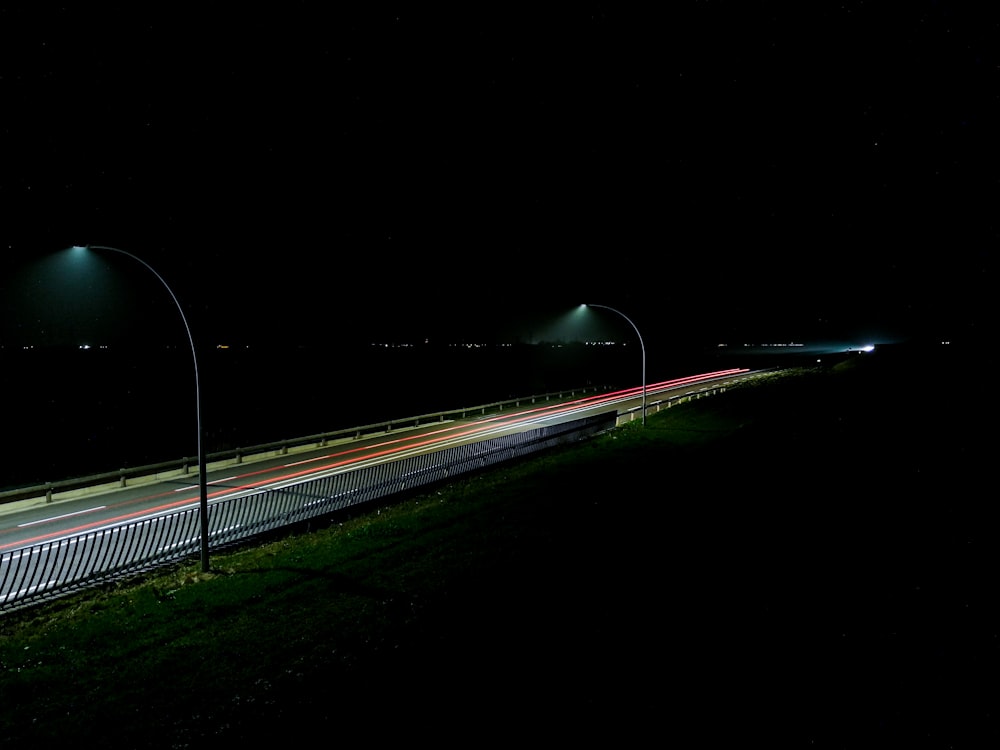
716,171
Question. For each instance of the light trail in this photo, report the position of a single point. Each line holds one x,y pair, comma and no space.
378,453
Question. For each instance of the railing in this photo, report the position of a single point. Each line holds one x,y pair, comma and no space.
59,567
187,465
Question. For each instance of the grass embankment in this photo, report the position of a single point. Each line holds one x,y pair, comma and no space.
788,560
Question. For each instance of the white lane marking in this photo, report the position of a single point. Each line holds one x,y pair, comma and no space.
196,486
58,518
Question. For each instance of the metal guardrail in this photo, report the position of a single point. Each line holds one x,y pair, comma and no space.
59,567
188,465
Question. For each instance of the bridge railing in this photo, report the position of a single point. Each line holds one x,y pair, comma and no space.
56,568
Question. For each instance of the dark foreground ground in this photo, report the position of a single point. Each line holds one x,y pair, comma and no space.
809,562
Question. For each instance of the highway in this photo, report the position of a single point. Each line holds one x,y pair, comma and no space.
33,522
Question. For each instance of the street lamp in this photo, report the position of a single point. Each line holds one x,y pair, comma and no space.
202,480
641,346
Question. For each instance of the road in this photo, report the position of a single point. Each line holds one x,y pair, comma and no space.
34,522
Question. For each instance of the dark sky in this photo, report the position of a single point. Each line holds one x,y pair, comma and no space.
716,171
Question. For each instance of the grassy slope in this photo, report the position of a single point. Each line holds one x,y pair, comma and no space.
802,560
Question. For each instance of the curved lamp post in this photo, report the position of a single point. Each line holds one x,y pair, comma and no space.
641,346
202,480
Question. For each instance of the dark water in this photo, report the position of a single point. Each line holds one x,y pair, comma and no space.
71,413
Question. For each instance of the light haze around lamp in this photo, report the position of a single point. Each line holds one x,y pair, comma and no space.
202,479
